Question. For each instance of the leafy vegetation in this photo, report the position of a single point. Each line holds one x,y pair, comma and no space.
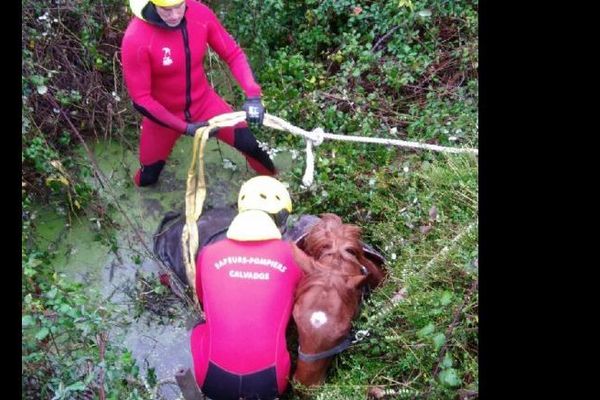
399,69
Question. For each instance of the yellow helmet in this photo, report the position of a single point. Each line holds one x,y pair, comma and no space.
264,193
137,6
166,3
259,197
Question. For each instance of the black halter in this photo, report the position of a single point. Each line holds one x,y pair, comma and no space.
350,339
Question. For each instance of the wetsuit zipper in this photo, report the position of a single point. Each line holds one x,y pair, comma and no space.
188,72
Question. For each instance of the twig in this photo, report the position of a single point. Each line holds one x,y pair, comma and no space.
374,48
334,97
451,245
101,349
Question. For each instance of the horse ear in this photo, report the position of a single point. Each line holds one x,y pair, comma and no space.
375,275
355,281
306,263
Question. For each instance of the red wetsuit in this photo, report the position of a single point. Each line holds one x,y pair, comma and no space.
164,73
247,293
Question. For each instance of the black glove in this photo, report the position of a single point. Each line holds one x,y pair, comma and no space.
191,128
255,112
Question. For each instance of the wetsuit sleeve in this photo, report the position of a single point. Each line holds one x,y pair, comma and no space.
221,41
136,71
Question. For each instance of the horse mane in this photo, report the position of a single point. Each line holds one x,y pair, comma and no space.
331,237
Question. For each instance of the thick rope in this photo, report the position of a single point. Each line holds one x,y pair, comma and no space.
196,185
316,137
309,173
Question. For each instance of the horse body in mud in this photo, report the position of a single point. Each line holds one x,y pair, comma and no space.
212,227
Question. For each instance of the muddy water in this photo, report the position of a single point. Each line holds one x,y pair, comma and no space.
159,343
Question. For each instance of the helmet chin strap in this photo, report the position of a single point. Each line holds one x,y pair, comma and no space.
281,218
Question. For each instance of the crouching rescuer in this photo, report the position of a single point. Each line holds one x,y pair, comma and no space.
163,51
246,286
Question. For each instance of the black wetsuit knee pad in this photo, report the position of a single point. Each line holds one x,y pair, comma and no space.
222,385
245,142
149,173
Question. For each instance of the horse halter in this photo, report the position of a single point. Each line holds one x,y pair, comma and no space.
349,340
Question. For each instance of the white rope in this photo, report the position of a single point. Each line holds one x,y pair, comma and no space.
309,172
307,179
317,135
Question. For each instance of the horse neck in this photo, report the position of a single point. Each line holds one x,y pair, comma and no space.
312,373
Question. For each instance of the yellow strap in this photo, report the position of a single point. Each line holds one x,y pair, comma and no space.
195,193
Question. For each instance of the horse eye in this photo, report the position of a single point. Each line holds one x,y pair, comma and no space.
352,251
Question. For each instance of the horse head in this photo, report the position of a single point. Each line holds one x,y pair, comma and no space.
326,301
329,295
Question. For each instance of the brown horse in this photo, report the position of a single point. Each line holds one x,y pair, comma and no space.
328,297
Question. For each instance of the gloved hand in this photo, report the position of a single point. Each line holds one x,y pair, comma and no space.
255,111
190,129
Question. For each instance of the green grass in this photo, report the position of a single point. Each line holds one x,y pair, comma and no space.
433,271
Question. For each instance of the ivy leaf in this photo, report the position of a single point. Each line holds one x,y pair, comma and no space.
27,320
449,377
52,293
446,298
447,361
438,341
42,333
426,331
37,80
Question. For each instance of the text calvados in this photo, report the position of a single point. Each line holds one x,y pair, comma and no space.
249,275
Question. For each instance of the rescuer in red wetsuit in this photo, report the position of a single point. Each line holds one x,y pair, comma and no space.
163,53
246,285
